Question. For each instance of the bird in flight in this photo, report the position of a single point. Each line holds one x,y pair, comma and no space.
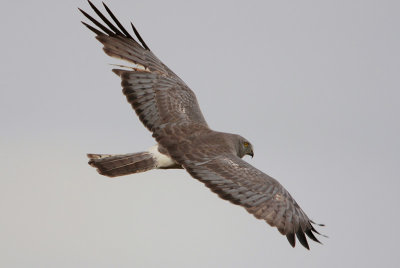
169,109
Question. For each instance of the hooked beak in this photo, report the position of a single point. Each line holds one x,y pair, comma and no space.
251,154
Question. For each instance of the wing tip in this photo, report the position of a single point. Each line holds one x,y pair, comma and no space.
310,234
112,30
139,37
315,231
302,239
291,238
99,33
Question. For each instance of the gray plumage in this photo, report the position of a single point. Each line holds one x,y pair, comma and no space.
169,109
120,165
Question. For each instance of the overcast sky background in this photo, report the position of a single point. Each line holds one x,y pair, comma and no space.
314,85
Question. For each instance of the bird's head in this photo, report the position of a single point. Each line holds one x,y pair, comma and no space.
245,148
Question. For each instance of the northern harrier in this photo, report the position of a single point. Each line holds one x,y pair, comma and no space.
169,109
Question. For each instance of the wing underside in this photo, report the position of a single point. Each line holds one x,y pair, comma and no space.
240,183
157,94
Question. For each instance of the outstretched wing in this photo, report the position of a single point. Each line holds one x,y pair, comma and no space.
157,94
242,184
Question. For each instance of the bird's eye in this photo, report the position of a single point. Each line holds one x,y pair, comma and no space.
246,144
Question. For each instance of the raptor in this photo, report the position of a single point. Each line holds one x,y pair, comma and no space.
169,109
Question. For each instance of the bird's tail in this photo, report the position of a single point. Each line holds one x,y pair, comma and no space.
122,164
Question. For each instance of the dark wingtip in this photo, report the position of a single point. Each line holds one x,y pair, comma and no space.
80,10
139,37
302,238
116,21
315,231
291,238
112,29
310,234
92,29
98,24
319,224
105,20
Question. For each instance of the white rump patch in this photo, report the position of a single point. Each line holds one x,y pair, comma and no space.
162,160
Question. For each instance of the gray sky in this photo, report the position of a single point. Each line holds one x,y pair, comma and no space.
314,85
